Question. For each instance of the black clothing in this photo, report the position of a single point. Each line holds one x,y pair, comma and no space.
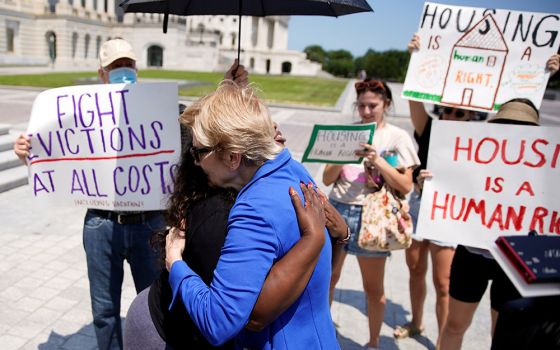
423,142
470,274
205,236
528,323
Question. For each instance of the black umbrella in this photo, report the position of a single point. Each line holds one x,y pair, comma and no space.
257,8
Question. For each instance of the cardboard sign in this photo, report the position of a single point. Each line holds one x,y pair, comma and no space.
490,180
106,146
476,58
338,143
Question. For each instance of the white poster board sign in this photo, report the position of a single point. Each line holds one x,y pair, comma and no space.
105,146
490,180
476,58
338,143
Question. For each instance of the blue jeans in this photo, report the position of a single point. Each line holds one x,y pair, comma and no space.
107,243
352,214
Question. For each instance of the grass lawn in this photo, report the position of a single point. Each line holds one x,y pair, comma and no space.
283,89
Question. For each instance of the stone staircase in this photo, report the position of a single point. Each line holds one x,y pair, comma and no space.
12,171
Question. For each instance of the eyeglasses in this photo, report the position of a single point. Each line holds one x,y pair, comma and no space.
372,85
198,152
458,113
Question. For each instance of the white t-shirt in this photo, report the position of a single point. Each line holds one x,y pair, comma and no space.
350,187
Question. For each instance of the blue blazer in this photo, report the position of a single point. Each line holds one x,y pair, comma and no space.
262,227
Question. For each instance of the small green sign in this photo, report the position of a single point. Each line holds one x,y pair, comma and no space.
338,143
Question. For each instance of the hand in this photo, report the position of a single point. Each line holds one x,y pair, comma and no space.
238,74
174,246
414,43
553,64
279,138
334,221
423,175
311,215
21,147
369,153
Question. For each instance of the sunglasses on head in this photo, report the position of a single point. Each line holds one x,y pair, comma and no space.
198,152
458,113
372,85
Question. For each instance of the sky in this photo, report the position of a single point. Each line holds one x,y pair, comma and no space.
390,26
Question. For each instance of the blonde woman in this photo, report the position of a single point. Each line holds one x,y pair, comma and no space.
233,143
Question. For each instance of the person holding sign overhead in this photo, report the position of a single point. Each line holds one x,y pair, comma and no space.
417,255
351,186
110,237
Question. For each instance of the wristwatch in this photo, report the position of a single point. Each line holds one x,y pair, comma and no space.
345,239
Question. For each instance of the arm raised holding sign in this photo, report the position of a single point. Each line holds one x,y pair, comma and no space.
553,64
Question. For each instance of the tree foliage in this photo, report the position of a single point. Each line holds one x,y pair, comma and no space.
315,53
387,65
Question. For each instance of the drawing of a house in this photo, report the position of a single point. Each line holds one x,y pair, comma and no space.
476,66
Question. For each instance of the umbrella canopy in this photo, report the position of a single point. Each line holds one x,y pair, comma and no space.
257,8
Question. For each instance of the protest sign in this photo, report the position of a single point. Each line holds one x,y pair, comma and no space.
338,143
476,58
106,146
490,180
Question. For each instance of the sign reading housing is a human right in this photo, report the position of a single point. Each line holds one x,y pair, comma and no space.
490,180
106,146
476,58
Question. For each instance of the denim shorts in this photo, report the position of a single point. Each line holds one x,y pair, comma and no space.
353,216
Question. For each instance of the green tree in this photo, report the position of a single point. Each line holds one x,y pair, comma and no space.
315,53
340,63
388,65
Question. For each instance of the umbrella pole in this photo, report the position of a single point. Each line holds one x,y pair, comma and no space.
239,33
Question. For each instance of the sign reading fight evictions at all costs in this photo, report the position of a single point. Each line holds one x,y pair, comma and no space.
106,146
477,58
490,180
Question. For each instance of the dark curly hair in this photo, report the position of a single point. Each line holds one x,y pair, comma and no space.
191,187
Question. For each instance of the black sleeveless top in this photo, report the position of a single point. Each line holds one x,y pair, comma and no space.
206,233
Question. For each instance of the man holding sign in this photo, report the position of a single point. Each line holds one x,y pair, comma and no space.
109,235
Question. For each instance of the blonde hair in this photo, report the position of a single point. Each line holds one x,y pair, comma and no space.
233,118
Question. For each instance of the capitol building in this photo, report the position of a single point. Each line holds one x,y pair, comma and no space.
67,34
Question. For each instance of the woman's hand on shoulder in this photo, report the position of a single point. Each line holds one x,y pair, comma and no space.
336,225
174,246
311,214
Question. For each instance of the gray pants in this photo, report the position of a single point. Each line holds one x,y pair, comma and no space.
139,330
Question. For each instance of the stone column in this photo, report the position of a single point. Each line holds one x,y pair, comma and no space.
261,39
111,8
63,7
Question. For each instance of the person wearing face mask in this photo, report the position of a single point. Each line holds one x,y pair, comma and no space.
110,237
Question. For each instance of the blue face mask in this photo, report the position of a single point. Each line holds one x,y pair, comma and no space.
122,75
